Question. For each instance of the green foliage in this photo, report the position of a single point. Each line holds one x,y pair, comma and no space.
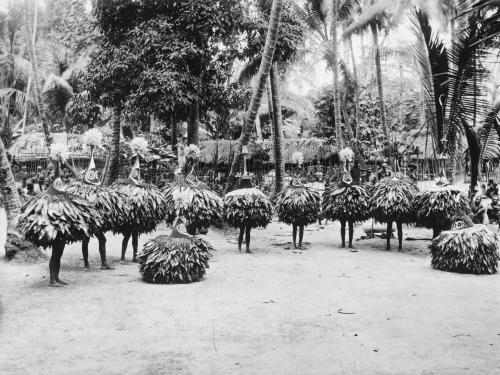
63,216
393,200
298,205
82,113
247,207
472,250
204,207
437,209
168,260
346,203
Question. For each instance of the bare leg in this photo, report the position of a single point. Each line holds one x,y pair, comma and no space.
85,252
342,232
135,245
55,263
400,234
294,234
247,239
102,251
126,237
240,238
301,235
389,234
351,232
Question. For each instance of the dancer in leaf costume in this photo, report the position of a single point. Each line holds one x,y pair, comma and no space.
347,203
297,205
437,209
55,218
202,207
175,258
145,205
247,208
108,203
393,201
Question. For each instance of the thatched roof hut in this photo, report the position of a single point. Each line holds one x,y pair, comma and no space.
312,149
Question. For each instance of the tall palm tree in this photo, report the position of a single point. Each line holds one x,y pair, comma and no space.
31,39
11,200
265,67
335,68
277,120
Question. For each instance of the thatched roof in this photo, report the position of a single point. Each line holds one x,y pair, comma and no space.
312,149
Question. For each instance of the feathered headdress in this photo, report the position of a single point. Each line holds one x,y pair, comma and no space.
59,152
139,146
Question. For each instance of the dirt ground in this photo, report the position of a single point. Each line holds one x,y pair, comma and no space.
323,310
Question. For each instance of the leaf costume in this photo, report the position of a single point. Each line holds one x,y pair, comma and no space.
247,207
298,205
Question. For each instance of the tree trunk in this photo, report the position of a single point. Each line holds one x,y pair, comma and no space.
258,127
193,131
31,39
356,90
114,164
11,200
279,162
270,105
378,65
265,67
475,156
335,68
173,138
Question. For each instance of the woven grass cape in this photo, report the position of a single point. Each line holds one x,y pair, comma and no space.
204,207
145,207
109,204
393,200
55,215
247,207
298,205
471,250
170,260
346,203
436,209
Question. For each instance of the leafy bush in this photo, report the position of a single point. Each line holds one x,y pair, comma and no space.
471,250
169,260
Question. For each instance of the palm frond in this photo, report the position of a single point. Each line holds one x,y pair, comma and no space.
490,137
347,9
467,102
20,99
491,14
369,15
250,70
56,95
314,15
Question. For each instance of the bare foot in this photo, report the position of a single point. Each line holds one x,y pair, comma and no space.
61,282
248,251
134,260
123,261
106,267
87,268
53,284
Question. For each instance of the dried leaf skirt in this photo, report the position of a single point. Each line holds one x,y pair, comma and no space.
65,217
145,207
351,204
171,260
439,208
298,206
247,207
109,204
202,207
471,250
393,200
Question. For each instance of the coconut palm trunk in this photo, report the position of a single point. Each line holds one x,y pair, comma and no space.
31,39
11,200
335,68
279,162
253,108
378,66
193,132
114,161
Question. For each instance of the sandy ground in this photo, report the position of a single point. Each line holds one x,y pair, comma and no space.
323,310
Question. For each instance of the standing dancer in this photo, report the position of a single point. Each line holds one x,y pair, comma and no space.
55,218
202,207
109,204
345,201
297,205
145,205
247,207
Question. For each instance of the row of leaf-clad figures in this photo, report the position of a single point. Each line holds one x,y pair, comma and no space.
131,207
